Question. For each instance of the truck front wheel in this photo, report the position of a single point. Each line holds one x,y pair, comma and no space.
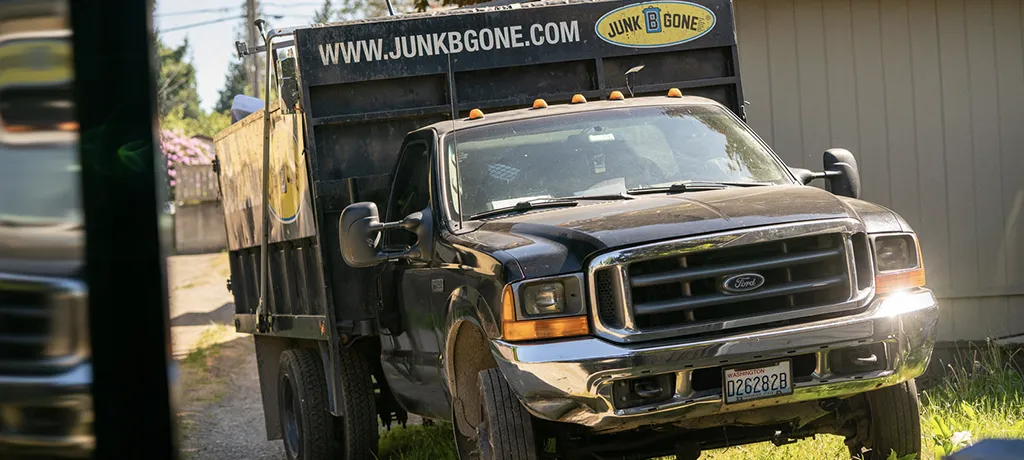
894,423
507,429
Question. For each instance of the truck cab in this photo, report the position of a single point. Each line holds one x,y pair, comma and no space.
548,224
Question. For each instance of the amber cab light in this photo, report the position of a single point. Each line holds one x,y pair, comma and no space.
578,99
476,114
616,96
540,104
537,329
899,281
674,92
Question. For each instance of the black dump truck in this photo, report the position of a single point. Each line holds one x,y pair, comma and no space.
548,224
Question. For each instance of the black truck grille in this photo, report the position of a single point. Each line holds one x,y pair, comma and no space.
38,320
688,289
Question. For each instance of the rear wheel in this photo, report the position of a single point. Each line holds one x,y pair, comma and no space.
308,429
894,423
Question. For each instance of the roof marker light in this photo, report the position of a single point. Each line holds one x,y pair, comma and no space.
674,92
476,114
578,99
616,96
540,104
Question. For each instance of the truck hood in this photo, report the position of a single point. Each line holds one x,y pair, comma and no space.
559,240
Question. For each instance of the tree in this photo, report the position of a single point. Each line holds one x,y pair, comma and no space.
235,83
176,80
324,14
206,124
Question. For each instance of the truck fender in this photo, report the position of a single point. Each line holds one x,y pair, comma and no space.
470,326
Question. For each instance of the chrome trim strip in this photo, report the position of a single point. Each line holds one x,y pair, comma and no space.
681,247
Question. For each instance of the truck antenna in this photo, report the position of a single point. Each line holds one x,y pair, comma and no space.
455,135
391,9
630,81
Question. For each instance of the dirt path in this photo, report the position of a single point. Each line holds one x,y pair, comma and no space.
220,413
222,410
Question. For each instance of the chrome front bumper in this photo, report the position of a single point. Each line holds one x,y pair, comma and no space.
571,380
47,415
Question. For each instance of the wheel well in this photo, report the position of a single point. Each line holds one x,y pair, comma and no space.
470,354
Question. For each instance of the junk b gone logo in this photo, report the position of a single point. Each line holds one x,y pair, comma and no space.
655,24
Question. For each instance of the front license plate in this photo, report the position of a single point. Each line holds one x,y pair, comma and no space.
758,381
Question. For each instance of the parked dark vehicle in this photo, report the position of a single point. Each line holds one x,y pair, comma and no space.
45,373
549,225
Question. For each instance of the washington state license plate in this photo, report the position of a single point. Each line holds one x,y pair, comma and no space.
758,381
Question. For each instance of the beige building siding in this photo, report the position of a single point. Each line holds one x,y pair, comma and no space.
929,95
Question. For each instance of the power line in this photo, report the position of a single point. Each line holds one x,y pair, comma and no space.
217,21
190,12
203,23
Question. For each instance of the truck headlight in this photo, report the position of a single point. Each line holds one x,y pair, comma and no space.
544,308
897,262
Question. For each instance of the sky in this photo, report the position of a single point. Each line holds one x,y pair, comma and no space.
212,45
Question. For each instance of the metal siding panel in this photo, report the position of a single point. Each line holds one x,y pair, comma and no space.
956,113
899,109
842,75
867,54
945,328
785,82
1010,70
988,205
752,38
813,76
933,223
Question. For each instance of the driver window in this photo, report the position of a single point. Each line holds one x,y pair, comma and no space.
411,192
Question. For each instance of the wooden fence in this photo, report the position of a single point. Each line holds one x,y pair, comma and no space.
199,218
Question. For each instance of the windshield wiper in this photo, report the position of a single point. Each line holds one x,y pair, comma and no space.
538,203
693,186
524,206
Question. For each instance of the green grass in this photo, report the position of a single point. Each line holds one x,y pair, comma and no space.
419,442
206,347
980,397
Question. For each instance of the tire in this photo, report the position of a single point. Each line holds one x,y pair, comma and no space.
894,423
356,431
507,432
308,429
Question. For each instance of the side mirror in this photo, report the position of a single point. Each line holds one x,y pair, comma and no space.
289,82
840,174
360,229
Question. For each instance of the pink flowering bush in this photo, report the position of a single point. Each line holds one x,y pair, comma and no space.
181,149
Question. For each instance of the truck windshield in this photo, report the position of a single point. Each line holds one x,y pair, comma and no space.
600,153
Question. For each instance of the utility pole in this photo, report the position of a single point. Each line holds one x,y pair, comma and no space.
252,37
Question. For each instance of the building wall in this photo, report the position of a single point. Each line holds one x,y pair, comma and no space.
929,96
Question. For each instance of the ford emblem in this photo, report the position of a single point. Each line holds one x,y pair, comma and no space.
743,282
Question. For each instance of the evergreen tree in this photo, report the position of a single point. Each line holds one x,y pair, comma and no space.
176,80
235,83
324,14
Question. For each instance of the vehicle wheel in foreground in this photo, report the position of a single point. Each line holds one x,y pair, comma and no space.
507,429
894,422
309,430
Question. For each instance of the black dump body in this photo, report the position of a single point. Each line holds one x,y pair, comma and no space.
366,84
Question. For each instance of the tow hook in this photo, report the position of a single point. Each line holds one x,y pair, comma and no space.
780,440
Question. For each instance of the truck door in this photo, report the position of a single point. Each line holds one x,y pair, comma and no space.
410,352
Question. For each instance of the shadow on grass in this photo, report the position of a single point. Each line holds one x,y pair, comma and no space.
419,442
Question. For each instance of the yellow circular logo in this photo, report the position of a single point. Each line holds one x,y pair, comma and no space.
655,24
287,170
